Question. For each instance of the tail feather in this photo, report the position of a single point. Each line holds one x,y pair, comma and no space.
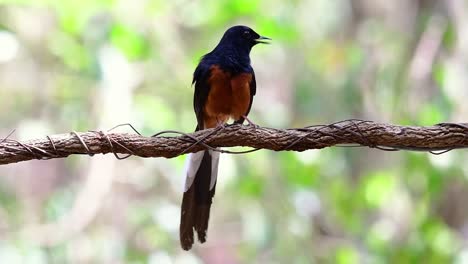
191,167
203,216
197,198
187,218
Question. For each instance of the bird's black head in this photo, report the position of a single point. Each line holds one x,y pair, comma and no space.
241,38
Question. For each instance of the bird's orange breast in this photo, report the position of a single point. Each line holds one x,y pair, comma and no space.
229,96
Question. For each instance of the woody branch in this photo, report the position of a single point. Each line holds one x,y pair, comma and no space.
445,136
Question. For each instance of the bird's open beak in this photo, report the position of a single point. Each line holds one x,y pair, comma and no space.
263,40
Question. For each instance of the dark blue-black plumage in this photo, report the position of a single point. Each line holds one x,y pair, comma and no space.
232,52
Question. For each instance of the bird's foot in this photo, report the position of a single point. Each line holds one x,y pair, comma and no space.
220,124
250,122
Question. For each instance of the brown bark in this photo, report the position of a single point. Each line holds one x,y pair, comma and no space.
444,136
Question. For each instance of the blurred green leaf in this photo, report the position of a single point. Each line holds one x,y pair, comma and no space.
251,186
439,237
347,255
304,175
70,51
378,187
130,42
439,75
450,36
430,115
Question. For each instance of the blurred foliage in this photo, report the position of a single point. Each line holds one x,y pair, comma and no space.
82,65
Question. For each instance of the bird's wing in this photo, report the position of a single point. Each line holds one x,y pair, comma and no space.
253,90
202,89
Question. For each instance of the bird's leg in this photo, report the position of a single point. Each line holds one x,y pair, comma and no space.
250,121
220,123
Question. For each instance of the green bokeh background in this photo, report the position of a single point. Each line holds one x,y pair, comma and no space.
86,65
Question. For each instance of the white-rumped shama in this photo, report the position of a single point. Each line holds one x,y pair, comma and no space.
224,88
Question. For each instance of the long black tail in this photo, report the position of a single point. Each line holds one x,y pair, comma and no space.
196,204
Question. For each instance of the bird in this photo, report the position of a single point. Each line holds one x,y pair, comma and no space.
225,85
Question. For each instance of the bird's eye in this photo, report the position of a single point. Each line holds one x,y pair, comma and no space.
246,33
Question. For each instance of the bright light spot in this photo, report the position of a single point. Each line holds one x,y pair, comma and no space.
442,161
444,242
254,223
10,254
307,203
379,187
229,171
385,229
165,216
116,70
159,258
462,257
187,258
276,116
308,157
455,79
298,226
10,46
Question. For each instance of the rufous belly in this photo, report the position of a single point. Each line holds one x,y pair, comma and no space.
229,97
